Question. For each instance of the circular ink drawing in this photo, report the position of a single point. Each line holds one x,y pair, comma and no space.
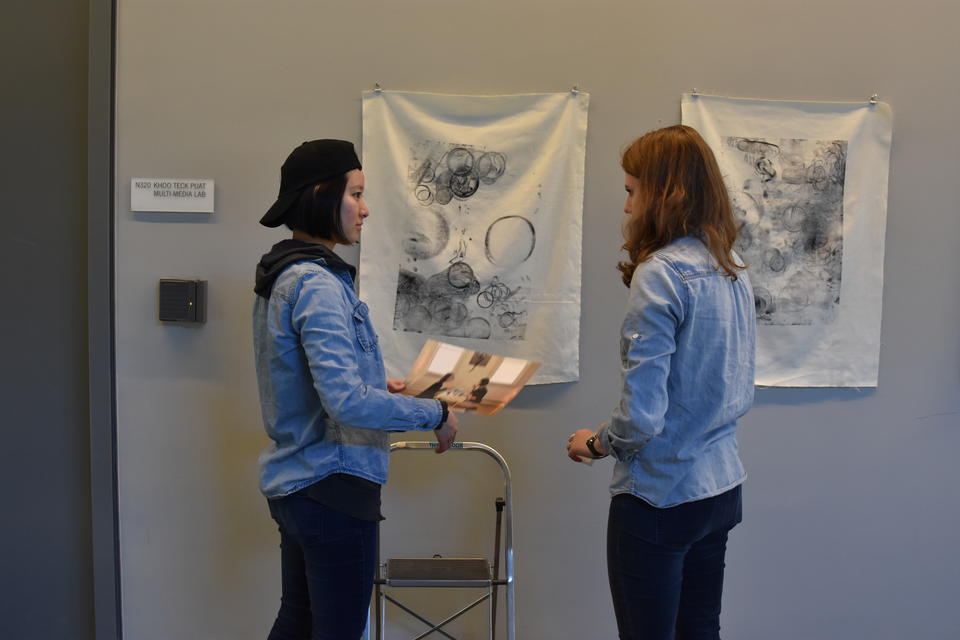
510,241
450,314
427,173
817,175
464,185
423,194
793,217
491,166
460,275
763,301
478,328
460,161
452,282
774,260
427,235
458,173
444,193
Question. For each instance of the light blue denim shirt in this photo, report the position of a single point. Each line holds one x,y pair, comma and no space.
687,354
322,383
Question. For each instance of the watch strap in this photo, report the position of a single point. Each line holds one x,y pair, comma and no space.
593,450
445,414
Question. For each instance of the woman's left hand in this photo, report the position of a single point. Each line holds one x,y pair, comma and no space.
577,445
395,385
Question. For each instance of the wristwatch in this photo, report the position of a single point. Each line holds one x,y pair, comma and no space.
593,450
444,415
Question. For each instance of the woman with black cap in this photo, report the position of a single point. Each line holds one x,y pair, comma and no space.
326,402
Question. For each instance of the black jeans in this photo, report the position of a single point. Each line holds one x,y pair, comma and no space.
666,566
327,566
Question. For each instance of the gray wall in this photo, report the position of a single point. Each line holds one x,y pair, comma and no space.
45,568
851,512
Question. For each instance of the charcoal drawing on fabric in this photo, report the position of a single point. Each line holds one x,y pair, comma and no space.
790,207
456,301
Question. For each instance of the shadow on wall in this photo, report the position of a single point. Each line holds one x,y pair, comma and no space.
167,218
247,556
809,396
542,396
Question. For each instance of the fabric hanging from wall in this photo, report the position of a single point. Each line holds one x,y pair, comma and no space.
475,230
808,181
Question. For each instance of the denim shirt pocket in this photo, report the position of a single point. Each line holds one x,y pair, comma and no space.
366,336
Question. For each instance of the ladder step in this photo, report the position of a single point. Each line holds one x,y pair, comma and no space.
438,572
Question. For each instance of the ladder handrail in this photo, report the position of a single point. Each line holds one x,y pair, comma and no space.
508,508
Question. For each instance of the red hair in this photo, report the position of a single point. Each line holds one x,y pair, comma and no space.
680,192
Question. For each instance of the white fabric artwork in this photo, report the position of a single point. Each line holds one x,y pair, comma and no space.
808,181
475,232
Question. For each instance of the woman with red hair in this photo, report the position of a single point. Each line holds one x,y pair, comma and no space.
687,364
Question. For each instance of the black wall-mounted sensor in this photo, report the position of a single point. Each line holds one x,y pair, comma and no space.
183,300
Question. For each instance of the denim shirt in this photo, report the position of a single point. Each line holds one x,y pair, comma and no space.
687,354
322,383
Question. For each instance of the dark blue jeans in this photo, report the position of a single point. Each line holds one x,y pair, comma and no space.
327,566
666,566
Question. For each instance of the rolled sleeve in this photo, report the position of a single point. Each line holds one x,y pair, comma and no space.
658,296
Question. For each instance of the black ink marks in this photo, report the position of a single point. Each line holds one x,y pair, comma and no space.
510,240
459,253
448,314
491,166
496,297
460,275
774,260
457,173
790,208
456,281
764,303
423,194
792,216
478,328
410,305
464,186
454,303
435,304
496,291
467,297
760,154
427,234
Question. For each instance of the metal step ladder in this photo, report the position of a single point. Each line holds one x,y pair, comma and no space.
438,572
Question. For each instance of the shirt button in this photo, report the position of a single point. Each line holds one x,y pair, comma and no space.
635,336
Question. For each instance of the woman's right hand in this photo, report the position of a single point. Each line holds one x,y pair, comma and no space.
447,433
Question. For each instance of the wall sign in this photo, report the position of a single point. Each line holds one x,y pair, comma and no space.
172,195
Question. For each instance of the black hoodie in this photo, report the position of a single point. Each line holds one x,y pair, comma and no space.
287,252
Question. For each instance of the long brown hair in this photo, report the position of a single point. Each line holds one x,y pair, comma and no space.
680,192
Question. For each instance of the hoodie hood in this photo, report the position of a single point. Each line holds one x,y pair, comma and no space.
288,252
